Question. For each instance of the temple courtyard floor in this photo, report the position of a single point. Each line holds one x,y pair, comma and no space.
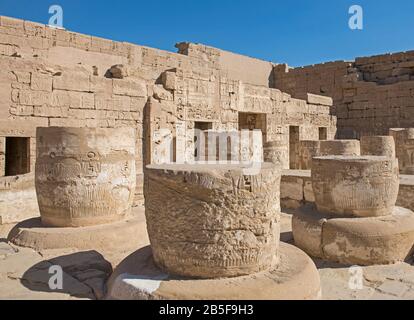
24,272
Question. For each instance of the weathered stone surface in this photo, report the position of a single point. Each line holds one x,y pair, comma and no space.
378,146
289,191
373,240
307,231
122,235
358,186
361,241
18,199
340,147
406,194
213,221
84,176
119,71
308,150
295,278
276,152
404,146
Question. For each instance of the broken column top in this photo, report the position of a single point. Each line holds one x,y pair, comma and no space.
361,186
211,221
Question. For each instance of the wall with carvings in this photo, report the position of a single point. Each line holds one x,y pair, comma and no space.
53,77
371,94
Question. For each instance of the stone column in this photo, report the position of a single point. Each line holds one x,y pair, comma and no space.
378,146
84,176
362,186
210,221
340,147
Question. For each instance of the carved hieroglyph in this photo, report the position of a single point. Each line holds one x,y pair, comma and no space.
340,147
404,145
378,146
84,176
212,221
276,152
358,186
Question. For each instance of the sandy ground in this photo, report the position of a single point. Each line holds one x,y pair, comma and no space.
24,273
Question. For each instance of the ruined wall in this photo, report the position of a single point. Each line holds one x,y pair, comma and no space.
53,77
371,95
232,65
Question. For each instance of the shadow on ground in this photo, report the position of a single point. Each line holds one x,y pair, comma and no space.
81,274
29,223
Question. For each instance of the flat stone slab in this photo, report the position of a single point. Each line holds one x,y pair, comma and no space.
362,241
295,278
123,235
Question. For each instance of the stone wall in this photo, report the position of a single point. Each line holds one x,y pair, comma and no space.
370,94
54,77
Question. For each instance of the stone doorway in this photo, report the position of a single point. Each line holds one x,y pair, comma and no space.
201,126
17,156
323,133
294,147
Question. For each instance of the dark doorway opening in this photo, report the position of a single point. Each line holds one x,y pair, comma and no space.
323,133
17,156
201,126
293,147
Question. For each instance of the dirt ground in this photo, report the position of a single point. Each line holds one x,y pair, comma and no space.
24,273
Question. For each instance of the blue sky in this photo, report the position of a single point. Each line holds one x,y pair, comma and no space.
297,32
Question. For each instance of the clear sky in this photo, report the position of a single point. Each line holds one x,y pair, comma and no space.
297,32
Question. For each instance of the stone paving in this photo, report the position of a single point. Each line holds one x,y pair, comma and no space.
24,274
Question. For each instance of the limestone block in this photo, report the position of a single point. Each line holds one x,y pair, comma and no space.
308,190
340,147
291,188
308,150
359,186
40,81
84,176
162,94
320,100
129,87
169,80
34,29
200,220
72,82
22,77
137,278
11,23
372,240
119,71
355,241
404,146
378,146
276,152
307,231
406,194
